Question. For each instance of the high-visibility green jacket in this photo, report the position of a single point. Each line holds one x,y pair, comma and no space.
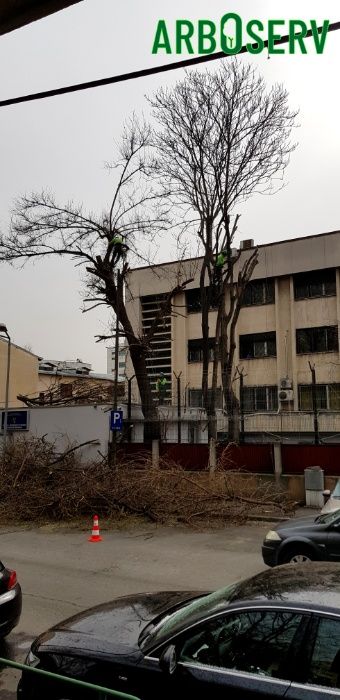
117,240
221,258
161,383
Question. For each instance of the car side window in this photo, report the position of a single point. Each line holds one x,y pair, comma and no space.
325,662
254,641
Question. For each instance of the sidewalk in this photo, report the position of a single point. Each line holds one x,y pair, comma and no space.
300,512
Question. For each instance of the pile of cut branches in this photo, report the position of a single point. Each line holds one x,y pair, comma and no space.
38,483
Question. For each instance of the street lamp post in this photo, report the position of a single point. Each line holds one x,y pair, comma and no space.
3,329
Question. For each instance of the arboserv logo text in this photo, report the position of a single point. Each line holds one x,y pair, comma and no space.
230,34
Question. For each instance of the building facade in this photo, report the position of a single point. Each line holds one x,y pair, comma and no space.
23,377
288,327
71,381
122,352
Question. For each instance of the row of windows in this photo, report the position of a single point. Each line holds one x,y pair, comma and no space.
307,285
257,345
259,399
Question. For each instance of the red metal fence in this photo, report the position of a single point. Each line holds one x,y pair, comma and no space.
295,458
254,458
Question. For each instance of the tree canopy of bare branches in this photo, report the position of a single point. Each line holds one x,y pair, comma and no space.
42,227
221,137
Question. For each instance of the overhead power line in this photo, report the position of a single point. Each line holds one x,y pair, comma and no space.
133,75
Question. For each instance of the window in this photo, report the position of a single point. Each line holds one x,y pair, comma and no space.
320,283
196,398
193,301
195,350
257,345
327,397
259,292
259,398
322,339
253,641
66,390
325,663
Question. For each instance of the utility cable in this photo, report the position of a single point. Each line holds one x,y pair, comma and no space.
145,72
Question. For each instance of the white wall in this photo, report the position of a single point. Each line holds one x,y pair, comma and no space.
69,425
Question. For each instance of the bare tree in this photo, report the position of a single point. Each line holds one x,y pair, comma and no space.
104,245
221,137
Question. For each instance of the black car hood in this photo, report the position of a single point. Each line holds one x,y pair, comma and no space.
297,524
112,628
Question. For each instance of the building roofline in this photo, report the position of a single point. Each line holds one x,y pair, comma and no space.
74,375
261,245
19,347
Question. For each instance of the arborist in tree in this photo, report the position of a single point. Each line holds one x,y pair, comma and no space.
161,384
221,259
119,247
219,265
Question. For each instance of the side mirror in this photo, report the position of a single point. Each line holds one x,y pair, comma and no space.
168,660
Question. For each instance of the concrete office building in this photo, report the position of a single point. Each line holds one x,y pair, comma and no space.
289,323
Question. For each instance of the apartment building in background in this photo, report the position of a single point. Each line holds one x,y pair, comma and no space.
110,358
288,325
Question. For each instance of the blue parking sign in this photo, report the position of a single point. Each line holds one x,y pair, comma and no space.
116,420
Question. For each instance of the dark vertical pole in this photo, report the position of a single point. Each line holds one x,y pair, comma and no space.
315,410
179,426
115,386
241,410
129,431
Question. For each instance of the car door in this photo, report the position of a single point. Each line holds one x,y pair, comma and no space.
322,662
243,655
333,542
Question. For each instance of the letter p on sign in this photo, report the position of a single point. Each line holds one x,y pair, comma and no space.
116,420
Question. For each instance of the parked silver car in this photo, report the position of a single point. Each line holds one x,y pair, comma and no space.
333,499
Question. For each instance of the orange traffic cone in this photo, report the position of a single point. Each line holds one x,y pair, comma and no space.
95,537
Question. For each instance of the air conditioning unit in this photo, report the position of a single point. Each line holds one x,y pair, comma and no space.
286,383
234,252
247,243
286,395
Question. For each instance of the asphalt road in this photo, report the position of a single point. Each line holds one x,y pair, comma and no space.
61,572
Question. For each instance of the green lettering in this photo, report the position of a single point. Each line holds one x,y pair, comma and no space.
204,36
272,37
161,40
319,37
238,34
181,36
297,38
258,47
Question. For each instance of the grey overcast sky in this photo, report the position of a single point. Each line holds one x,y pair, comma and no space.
62,143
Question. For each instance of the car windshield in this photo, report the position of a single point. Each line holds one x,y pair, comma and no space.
336,491
165,627
328,518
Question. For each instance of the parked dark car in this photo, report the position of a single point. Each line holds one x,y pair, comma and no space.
10,600
304,539
274,635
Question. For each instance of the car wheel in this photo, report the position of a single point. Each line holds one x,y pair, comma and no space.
296,556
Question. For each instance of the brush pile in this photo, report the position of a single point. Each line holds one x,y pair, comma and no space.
37,483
